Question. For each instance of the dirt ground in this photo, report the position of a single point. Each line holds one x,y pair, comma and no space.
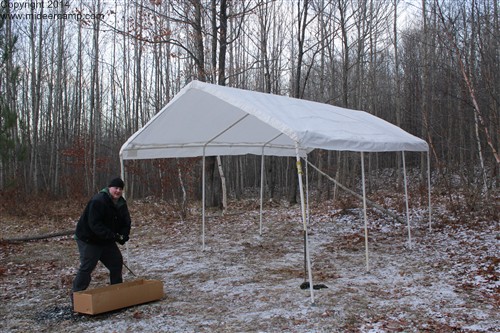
442,279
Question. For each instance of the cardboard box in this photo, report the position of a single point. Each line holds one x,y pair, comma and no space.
117,296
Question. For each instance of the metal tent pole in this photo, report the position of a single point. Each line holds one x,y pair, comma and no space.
304,222
364,209
261,190
429,188
203,202
307,191
406,200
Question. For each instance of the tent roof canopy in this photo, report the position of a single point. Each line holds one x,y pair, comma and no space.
206,119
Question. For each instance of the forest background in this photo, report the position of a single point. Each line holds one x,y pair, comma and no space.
78,77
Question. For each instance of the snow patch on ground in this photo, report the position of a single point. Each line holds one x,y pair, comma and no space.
246,282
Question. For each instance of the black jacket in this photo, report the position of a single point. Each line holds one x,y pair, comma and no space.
102,219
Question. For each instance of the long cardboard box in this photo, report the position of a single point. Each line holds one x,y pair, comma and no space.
117,296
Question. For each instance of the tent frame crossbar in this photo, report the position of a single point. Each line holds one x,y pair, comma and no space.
218,145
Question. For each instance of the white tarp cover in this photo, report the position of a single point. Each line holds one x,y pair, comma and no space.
230,121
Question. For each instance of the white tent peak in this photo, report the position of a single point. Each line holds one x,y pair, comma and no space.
207,119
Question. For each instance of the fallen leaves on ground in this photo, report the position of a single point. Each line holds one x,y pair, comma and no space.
445,278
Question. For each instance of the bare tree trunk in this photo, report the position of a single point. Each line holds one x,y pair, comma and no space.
183,204
222,81
472,66
469,84
138,71
95,108
302,20
342,6
398,97
199,59
58,102
9,136
198,41
426,92
36,72
223,184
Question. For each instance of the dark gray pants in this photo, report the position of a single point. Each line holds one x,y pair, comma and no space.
90,255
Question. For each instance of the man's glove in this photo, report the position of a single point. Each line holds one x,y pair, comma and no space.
121,239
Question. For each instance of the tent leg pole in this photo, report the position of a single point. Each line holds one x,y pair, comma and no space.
307,218
406,200
203,202
364,210
261,190
307,191
304,221
429,188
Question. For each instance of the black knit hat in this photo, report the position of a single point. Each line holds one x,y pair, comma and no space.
117,182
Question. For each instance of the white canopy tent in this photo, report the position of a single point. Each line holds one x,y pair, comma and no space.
209,120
